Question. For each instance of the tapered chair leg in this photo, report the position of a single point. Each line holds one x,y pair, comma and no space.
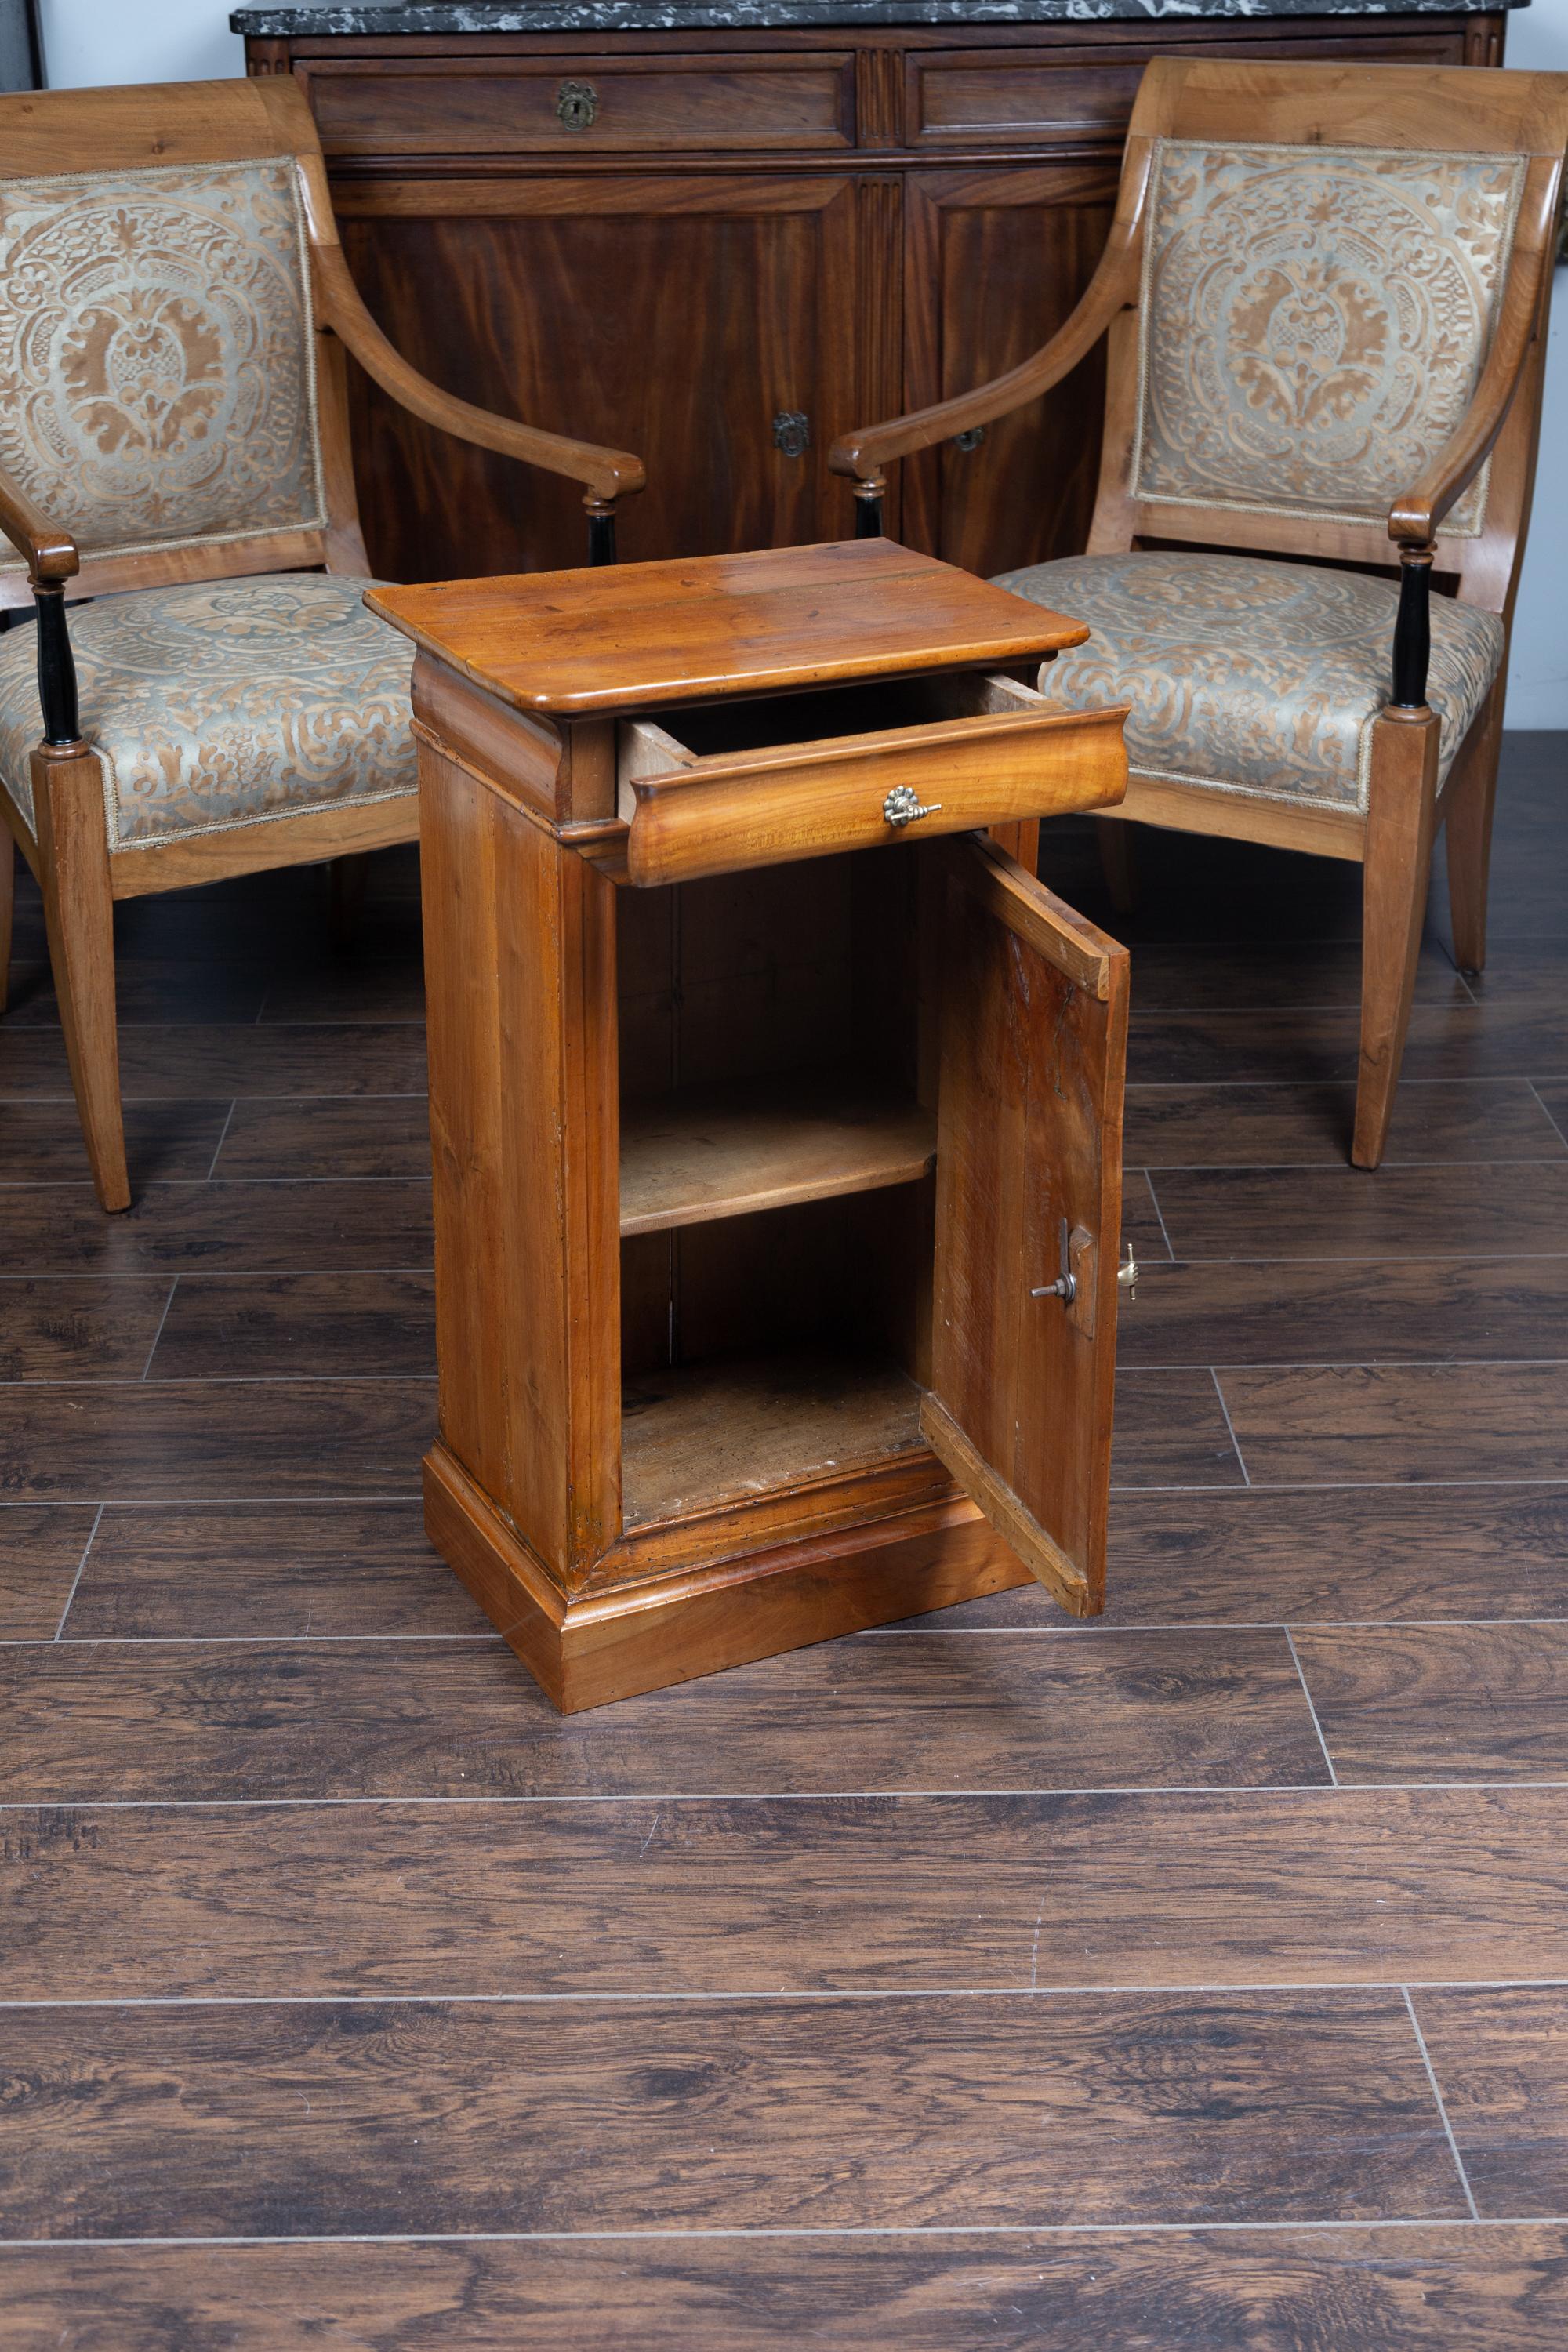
1117,862
1400,826
7,910
78,914
1467,814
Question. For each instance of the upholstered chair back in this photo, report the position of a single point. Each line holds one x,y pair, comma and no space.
157,373
1313,324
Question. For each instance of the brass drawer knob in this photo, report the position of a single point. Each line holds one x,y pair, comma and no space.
903,805
576,103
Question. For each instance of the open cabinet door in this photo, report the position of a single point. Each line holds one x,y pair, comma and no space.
1029,1215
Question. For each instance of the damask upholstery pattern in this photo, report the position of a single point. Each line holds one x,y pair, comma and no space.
224,704
1313,324
157,366
1251,676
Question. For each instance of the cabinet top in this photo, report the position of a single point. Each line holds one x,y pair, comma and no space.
632,637
325,18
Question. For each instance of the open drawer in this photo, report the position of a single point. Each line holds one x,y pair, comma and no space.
721,786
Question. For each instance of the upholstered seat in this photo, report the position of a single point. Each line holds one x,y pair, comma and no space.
1252,676
229,703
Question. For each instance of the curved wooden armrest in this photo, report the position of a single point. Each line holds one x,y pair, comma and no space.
1415,514
608,473
51,552
863,454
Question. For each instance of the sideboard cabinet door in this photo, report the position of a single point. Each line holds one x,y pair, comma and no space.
693,317
994,261
1029,1215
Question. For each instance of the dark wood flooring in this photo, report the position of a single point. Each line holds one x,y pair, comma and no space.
1195,1978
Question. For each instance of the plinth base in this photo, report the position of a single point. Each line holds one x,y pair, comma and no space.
591,1650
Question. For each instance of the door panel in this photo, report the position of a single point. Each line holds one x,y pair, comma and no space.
1033,1039
995,261
674,317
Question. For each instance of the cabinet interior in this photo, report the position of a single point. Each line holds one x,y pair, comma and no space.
666,740
777,1153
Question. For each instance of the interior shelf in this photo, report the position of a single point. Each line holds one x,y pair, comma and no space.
689,1158
708,1433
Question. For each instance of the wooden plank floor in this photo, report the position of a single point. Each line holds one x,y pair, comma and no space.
1196,1978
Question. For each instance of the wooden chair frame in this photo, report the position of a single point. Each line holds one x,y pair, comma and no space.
58,133
1437,109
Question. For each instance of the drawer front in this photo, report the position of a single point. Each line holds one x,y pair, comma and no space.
1062,97
720,815
597,105
971,97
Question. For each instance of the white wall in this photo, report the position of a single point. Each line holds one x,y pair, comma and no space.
186,41
1538,673
139,40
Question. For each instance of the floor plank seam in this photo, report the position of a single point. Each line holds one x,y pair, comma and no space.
223,1135
147,1367
1442,2108
1197,2227
1546,1107
1230,1791
80,1565
1154,1198
1154,1991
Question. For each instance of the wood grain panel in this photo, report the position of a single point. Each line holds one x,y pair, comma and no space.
1498,1039
1211,1126
1501,2057
1342,1553
1427,1213
1350,1424
86,1327
242,1227
82,1720
41,1552
994,261
317,1326
1171,1432
1316,1311
894,2114
371,1135
182,1440
1448,1703
473,291
1428,2289
344,988
311,1058
153,987
40,1143
317,1568
1232,975
1324,1887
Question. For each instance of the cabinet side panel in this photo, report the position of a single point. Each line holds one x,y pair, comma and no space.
518,946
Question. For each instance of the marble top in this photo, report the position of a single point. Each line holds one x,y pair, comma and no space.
746,15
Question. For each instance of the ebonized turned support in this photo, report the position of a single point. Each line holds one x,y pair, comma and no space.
1413,629
57,669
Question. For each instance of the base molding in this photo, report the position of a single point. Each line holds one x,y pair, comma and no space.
586,1652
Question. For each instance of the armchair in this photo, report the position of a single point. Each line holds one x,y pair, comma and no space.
1325,292
176,313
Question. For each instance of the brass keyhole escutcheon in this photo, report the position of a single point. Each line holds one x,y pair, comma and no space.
576,103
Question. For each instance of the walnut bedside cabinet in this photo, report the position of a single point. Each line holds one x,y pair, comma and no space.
776,1108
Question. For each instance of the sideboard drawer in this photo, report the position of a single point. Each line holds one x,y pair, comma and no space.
972,97
586,106
723,788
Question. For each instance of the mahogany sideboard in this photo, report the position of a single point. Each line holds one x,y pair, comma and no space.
721,247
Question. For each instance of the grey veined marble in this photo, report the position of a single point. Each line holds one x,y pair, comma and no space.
673,15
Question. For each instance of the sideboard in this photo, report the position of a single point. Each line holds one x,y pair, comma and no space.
719,234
